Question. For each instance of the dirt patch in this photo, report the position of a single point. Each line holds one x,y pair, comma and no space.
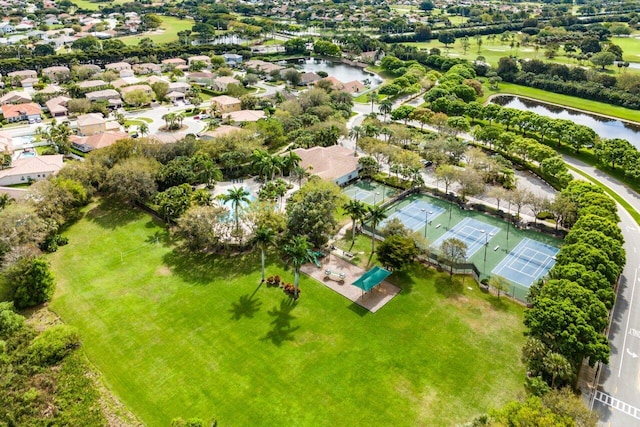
164,271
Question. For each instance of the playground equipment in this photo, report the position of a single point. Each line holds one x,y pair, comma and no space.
334,275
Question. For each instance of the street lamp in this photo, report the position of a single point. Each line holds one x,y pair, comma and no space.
426,220
486,243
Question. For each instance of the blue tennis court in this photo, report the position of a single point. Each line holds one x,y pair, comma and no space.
527,262
472,232
414,215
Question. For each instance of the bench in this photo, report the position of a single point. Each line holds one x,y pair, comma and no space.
338,277
496,248
348,254
438,226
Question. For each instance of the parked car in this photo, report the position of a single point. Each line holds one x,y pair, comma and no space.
196,117
205,116
427,163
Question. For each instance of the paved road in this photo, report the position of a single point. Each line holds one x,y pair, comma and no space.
618,402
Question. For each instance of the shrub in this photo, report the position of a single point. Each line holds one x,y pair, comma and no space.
53,345
32,282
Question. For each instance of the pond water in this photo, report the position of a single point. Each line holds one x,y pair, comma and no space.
343,72
603,126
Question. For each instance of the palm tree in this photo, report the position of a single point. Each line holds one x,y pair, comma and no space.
262,163
372,97
214,110
387,133
371,130
179,118
385,108
356,133
291,161
356,210
143,129
236,195
263,238
376,216
169,120
297,253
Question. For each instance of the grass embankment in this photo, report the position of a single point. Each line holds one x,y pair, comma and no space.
168,31
177,335
565,100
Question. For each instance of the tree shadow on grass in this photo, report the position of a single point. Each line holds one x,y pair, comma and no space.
498,304
449,286
282,329
202,269
110,214
246,306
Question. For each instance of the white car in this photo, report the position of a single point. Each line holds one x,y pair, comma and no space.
205,116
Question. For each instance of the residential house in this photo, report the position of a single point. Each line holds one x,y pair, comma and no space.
90,68
22,74
171,63
126,73
156,79
179,87
94,142
29,82
57,74
201,58
221,83
28,169
118,66
262,66
309,78
91,85
244,116
334,163
18,112
15,97
354,87
335,83
147,68
128,89
201,78
222,130
232,59
227,104
58,106
6,28
103,95
23,26
91,124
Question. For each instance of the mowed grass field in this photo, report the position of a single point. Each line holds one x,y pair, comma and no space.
169,31
177,335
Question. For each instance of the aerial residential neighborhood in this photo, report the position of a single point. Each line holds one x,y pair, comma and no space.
405,213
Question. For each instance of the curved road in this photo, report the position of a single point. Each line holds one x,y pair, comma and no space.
617,398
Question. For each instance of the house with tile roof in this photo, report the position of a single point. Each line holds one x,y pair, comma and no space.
29,169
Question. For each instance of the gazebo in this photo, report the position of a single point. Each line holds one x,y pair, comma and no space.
371,278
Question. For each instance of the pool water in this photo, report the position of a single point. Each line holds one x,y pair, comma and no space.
27,154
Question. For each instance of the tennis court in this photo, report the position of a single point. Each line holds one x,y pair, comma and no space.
527,262
414,215
471,231
371,193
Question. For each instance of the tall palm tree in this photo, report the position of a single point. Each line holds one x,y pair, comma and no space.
387,133
385,108
236,195
263,238
356,210
372,97
291,161
376,216
143,129
179,118
262,163
297,253
356,133
371,130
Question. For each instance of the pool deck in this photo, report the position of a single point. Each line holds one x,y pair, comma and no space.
373,300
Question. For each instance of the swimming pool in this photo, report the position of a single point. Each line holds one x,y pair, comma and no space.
22,140
26,154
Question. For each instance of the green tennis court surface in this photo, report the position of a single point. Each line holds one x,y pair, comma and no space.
371,193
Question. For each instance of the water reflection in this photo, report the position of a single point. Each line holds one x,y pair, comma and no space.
603,126
343,72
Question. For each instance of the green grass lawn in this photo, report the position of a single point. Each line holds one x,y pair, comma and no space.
176,335
171,26
569,101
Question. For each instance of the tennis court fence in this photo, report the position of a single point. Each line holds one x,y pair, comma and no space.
439,262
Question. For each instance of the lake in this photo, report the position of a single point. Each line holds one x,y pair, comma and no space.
603,126
343,72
